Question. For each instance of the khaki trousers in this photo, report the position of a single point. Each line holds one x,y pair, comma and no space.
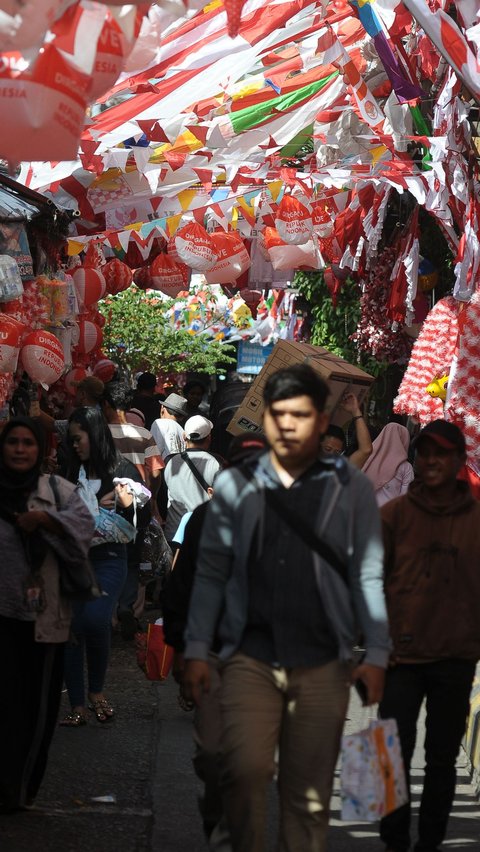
302,710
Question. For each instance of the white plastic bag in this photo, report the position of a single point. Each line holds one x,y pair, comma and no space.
372,778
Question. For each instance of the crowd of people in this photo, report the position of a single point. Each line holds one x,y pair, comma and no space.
297,570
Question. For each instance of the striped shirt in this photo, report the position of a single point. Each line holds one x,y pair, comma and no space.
137,445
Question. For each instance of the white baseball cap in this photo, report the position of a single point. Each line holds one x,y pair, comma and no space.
197,427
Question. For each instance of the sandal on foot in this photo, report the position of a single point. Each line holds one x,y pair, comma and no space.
103,709
73,720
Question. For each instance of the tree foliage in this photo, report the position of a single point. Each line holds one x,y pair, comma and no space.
332,325
138,336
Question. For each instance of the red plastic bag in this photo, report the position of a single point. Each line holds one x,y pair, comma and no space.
154,657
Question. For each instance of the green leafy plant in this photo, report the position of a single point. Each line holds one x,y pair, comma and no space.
332,326
138,336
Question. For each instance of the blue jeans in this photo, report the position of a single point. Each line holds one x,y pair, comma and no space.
129,592
91,624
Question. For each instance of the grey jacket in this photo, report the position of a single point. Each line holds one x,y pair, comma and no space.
346,517
53,624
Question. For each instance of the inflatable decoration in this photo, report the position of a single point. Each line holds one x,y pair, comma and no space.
438,388
46,106
72,378
105,370
90,286
42,357
286,256
293,221
241,313
90,337
167,276
195,247
172,250
233,258
142,277
109,61
321,220
10,335
118,276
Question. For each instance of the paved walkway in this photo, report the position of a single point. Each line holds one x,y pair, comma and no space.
143,762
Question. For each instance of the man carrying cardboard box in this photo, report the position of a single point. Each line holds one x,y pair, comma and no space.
290,560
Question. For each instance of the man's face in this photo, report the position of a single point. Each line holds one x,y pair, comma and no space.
437,466
194,396
332,445
293,428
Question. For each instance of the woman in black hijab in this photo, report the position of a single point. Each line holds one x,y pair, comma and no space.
34,616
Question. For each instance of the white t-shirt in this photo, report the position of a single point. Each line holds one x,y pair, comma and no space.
168,436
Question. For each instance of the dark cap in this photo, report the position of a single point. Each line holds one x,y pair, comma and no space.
92,386
445,434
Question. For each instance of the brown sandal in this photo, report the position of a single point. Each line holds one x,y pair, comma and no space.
103,710
73,720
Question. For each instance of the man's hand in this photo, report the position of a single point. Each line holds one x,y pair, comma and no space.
374,679
350,403
196,680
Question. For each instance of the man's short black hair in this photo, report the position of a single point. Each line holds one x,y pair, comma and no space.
118,395
146,381
194,384
335,432
297,380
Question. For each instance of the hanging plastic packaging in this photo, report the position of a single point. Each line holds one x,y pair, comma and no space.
11,286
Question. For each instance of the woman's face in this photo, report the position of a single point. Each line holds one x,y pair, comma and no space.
20,450
80,441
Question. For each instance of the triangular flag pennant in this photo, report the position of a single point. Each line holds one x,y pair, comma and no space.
175,159
186,197
173,223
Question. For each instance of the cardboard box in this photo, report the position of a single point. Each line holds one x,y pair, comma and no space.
340,376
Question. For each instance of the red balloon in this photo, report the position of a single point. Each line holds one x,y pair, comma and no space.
90,337
105,370
90,286
42,357
118,276
11,331
72,378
